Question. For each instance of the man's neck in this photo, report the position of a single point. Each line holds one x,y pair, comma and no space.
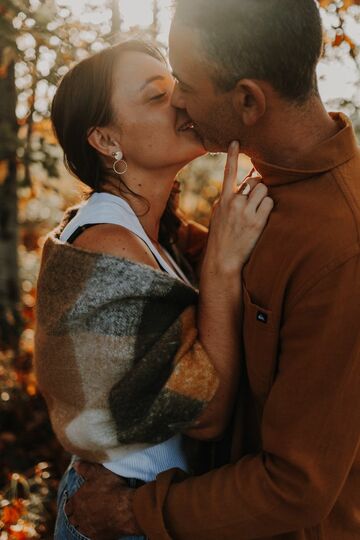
288,133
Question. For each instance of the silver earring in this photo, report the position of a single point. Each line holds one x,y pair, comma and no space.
119,161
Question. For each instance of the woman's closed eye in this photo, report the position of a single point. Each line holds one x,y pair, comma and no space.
159,96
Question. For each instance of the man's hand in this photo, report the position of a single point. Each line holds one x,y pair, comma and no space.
102,508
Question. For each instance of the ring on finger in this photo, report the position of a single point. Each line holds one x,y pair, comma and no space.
245,189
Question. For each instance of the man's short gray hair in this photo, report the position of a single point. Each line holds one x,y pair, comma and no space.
279,41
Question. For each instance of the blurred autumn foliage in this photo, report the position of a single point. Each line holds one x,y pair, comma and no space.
342,6
39,39
341,36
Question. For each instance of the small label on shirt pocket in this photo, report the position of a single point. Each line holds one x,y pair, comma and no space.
261,339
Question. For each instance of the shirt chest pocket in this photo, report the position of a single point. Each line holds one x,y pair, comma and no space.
261,343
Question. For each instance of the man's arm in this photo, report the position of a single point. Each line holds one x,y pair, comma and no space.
310,433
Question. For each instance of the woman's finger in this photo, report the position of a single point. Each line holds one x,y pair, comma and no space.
252,182
256,196
231,170
265,209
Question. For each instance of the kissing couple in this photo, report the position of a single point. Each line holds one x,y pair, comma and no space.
206,382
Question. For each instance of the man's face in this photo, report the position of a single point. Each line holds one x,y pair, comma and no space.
211,110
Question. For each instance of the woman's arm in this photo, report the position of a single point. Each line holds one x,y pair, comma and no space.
236,225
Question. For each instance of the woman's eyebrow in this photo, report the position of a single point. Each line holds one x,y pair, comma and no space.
151,79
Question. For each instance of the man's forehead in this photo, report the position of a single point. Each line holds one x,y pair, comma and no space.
185,55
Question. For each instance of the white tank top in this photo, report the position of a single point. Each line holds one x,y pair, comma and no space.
107,208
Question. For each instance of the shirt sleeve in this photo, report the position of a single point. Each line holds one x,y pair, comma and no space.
310,433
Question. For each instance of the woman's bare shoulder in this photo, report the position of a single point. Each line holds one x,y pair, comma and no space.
118,241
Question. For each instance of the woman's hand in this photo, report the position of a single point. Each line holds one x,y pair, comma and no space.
238,220
236,225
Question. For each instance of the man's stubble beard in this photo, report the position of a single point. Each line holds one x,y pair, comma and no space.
223,128
217,142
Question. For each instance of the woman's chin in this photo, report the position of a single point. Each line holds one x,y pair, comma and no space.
196,153
194,148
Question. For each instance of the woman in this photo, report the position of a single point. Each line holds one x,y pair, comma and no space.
125,361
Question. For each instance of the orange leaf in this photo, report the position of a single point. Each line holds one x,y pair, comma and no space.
10,515
339,39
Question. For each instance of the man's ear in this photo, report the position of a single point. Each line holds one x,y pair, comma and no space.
99,139
249,101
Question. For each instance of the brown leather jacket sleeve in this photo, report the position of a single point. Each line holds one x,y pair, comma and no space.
310,434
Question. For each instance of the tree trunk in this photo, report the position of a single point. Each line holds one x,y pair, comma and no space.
155,30
116,21
10,319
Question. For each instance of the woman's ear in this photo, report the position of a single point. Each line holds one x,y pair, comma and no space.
249,101
102,141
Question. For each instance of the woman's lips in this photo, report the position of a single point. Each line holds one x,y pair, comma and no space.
189,127
186,126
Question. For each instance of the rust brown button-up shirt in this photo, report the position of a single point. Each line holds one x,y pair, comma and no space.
295,471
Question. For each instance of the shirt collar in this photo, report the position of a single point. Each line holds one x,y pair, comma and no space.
327,155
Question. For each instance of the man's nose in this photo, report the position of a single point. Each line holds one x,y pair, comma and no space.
177,99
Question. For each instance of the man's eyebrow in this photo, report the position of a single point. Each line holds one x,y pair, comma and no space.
151,79
180,81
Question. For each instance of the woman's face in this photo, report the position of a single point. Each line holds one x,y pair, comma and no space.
151,133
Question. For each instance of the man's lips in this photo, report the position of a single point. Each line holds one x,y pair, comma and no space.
186,126
190,127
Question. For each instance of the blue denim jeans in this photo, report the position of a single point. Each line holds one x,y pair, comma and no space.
64,530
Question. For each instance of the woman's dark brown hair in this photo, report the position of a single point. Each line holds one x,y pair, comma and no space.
83,102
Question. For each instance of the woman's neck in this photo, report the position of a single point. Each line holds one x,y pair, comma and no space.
153,190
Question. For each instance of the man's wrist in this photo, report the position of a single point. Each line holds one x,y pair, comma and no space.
141,510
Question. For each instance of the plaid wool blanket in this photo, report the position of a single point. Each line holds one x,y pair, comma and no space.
116,352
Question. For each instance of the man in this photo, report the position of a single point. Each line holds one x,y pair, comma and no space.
246,70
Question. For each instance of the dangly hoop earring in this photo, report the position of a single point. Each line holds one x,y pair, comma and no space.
119,159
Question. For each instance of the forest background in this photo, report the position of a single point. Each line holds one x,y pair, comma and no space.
39,40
